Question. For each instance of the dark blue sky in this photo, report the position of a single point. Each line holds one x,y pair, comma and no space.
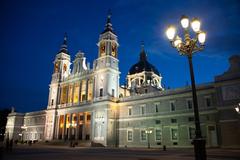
32,32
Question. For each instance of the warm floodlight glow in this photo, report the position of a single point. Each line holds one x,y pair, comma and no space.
177,42
171,31
185,22
202,37
195,25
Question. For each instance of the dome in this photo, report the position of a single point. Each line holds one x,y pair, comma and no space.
143,65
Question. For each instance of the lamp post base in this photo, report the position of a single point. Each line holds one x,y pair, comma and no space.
199,149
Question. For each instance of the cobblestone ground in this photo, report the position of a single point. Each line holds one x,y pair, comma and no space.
47,152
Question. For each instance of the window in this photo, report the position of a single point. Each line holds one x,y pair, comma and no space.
70,93
191,132
156,107
64,91
101,92
88,117
76,93
172,106
113,92
174,120
81,117
208,101
130,135
90,89
130,111
52,102
157,121
190,119
83,90
189,104
174,134
143,109
158,133
143,135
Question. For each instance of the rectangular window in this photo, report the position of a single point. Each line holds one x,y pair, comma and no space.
130,111
190,119
90,89
172,106
83,97
208,101
143,108
158,134
88,117
70,94
189,104
101,92
174,134
157,121
64,94
113,92
143,135
130,136
83,90
156,108
174,120
191,131
81,117
76,93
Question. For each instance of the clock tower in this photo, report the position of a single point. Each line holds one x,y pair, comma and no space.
106,65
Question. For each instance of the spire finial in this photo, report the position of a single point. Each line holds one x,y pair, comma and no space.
64,44
109,16
143,56
65,38
142,45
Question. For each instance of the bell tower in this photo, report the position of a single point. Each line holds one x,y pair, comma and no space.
106,65
60,73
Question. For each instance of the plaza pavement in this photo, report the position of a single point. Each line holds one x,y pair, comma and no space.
50,152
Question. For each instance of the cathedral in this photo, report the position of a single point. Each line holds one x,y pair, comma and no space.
89,106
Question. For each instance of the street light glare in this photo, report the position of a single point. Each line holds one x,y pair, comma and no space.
202,37
237,109
177,42
196,25
185,22
171,31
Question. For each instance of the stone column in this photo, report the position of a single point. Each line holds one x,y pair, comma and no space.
84,126
57,127
76,130
87,81
70,126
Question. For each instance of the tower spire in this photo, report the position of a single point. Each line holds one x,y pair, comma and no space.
64,45
108,25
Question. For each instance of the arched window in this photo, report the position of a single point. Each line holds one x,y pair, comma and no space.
64,67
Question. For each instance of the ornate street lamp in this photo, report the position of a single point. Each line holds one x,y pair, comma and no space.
187,47
148,132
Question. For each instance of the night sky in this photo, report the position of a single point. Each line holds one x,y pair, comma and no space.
32,32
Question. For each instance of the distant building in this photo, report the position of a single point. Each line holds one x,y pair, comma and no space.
88,104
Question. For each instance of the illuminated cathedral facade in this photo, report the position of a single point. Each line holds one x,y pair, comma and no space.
88,105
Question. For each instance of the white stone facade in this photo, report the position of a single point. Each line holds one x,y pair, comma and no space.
88,104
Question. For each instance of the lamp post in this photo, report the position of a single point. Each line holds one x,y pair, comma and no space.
148,132
188,47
